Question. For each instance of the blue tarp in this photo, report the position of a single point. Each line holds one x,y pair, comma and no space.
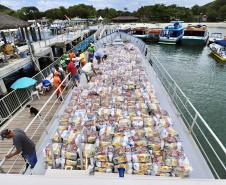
221,42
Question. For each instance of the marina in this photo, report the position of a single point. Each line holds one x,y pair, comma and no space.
40,165
94,96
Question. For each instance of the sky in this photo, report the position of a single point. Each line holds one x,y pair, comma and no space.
99,4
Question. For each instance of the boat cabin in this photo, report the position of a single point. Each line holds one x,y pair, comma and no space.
174,30
197,30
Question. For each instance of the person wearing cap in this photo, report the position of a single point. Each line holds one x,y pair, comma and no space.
56,83
23,145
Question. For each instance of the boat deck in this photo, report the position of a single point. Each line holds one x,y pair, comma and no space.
200,169
21,120
41,48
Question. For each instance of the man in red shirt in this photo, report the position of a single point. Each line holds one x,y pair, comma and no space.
74,73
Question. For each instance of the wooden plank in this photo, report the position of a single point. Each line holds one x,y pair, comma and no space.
21,121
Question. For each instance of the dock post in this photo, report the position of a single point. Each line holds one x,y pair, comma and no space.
27,35
51,55
35,34
32,35
3,89
39,33
22,33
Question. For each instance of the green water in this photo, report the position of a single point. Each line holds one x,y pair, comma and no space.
201,77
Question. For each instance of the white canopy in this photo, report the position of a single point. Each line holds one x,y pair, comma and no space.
100,18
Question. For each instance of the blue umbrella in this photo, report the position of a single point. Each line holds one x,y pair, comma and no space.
22,83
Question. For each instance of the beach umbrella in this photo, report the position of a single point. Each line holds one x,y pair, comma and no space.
23,83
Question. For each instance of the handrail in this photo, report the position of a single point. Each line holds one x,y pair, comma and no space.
199,115
164,73
33,120
28,126
10,113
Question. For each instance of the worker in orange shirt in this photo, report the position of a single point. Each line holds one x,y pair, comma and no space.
56,83
71,55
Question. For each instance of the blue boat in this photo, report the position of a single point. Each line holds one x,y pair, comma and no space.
172,34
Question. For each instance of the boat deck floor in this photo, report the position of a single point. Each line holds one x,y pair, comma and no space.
21,120
197,161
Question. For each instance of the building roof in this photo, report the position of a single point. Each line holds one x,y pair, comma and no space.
10,22
125,18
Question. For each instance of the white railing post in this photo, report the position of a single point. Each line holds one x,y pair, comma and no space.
7,108
174,87
193,123
18,99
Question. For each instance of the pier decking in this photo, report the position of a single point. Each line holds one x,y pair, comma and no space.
21,120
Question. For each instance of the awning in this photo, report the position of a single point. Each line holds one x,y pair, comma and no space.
10,22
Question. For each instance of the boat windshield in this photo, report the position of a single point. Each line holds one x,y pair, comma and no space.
194,33
171,33
216,35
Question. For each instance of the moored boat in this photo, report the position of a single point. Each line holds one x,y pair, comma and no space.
215,37
153,34
195,35
172,34
139,32
147,34
219,50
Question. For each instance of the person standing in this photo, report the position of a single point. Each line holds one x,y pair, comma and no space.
56,83
71,55
60,71
23,144
74,73
91,51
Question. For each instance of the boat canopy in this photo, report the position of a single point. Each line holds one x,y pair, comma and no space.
221,42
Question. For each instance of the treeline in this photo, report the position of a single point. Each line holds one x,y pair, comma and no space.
215,11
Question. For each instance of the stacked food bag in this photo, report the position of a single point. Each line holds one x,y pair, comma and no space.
116,122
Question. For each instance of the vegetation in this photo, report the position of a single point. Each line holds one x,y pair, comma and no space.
215,11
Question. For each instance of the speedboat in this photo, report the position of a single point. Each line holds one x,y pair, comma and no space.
172,34
215,36
195,35
219,49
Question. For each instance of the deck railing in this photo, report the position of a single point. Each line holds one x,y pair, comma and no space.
14,100
209,144
39,77
39,124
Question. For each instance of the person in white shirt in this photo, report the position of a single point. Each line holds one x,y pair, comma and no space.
89,70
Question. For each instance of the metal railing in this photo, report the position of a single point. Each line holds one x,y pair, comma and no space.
39,123
39,77
14,100
210,146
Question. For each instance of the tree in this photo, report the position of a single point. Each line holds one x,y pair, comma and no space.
222,12
54,13
212,15
29,13
196,10
82,11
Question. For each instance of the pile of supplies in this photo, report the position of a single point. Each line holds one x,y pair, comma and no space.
116,122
